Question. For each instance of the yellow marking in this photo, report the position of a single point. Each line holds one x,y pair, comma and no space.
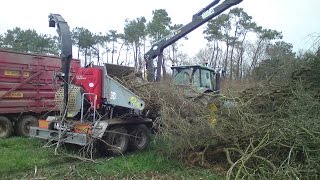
213,108
212,121
137,104
16,73
133,99
13,95
26,74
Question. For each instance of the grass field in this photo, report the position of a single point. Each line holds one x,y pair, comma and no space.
24,158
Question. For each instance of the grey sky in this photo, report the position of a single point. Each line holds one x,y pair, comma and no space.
296,19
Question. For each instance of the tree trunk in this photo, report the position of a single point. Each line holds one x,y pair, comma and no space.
98,55
107,51
232,50
173,55
135,55
125,61
240,59
241,64
231,63
150,70
85,57
112,52
144,52
159,65
127,51
217,54
78,51
164,72
238,64
255,56
139,60
226,58
212,55
144,45
120,52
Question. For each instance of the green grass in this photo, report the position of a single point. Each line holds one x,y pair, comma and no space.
20,156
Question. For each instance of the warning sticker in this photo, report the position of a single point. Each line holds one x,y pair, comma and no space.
13,95
16,73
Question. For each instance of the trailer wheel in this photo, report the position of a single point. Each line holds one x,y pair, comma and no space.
139,137
6,127
23,125
117,141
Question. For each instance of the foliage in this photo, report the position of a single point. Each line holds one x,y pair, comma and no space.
280,62
29,41
228,45
264,38
280,50
268,34
113,37
174,46
135,30
158,27
134,34
99,41
228,34
217,27
84,40
309,72
1,40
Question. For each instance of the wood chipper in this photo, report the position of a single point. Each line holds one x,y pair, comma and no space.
93,106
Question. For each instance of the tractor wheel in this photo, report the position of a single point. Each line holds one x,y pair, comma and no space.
139,137
6,127
117,140
23,125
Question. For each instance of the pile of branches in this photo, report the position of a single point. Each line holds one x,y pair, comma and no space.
272,132
181,122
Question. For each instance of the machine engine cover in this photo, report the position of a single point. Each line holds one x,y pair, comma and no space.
90,79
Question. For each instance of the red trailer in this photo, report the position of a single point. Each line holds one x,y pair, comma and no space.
27,88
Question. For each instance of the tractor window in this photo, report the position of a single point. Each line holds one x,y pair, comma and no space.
182,77
196,78
200,78
206,80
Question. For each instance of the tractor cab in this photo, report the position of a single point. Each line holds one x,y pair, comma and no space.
202,78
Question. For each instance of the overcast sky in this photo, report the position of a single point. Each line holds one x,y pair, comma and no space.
295,18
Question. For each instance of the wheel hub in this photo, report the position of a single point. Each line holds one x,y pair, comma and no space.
139,138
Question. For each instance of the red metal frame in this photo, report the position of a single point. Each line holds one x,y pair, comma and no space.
27,81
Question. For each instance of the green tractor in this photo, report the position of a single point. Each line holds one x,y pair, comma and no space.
202,84
202,78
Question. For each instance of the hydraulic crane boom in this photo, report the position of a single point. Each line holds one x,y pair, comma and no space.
201,17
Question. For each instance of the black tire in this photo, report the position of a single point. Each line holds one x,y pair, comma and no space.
6,127
116,141
23,125
139,137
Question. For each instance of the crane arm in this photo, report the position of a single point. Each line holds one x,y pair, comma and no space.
201,17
